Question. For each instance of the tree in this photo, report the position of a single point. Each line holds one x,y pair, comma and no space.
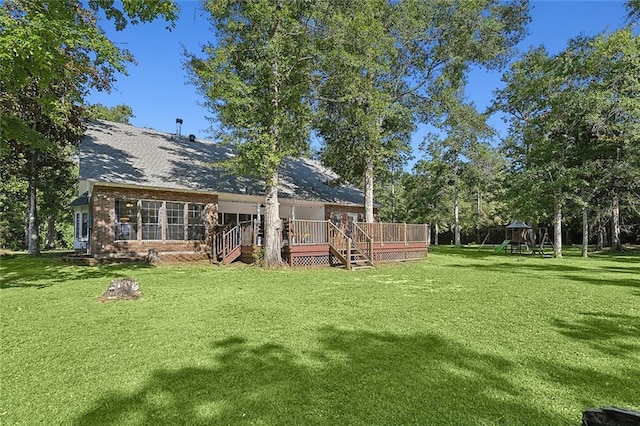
609,65
362,124
538,148
390,64
466,131
574,124
53,53
429,192
257,80
633,9
484,174
118,113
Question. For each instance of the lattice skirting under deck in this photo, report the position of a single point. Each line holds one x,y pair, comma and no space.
391,256
316,260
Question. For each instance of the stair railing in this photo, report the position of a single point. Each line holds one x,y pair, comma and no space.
230,241
340,243
362,242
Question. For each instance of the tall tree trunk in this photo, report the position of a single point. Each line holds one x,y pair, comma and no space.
557,229
436,233
33,239
272,225
368,189
456,218
585,232
600,233
478,215
616,245
50,242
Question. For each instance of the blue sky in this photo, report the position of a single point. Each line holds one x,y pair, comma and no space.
158,91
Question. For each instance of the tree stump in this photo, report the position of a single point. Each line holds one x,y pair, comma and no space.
124,288
153,257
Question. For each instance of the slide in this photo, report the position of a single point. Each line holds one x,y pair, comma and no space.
502,246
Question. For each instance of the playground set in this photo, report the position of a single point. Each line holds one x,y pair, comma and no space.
520,238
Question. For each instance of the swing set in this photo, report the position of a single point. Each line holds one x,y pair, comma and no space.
520,238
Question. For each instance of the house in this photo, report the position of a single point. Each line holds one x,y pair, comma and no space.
141,190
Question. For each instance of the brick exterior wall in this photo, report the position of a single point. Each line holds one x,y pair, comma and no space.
102,207
330,209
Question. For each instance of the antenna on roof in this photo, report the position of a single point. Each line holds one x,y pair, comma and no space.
178,127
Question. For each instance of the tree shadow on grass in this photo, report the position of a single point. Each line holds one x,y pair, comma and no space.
570,272
622,282
22,271
354,377
522,267
613,334
465,252
594,386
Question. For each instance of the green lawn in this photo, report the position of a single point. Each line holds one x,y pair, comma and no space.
465,337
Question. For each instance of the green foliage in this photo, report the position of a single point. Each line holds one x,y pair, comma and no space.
258,255
118,113
387,65
520,340
359,118
257,80
53,53
12,207
574,128
633,9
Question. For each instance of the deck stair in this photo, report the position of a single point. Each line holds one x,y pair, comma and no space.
349,252
226,247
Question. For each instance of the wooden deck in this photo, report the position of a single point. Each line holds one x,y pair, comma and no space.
323,243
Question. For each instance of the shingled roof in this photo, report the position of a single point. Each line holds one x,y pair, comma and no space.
117,153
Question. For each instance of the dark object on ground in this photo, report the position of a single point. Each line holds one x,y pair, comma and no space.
124,288
610,416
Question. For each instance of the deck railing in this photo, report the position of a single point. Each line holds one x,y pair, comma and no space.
381,232
336,237
310,232
416,233
307,232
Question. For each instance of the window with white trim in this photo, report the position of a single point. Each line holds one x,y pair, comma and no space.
175,221
126,220
152,220
195,222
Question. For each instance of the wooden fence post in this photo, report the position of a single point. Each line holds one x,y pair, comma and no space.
405,232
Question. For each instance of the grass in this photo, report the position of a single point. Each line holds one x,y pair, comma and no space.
466,337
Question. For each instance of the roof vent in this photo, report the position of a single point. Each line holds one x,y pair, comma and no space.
192,138
178,127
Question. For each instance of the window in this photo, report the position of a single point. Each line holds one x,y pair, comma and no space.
195,222
175,221
151,220
230,219
85,226
245,217
126,220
